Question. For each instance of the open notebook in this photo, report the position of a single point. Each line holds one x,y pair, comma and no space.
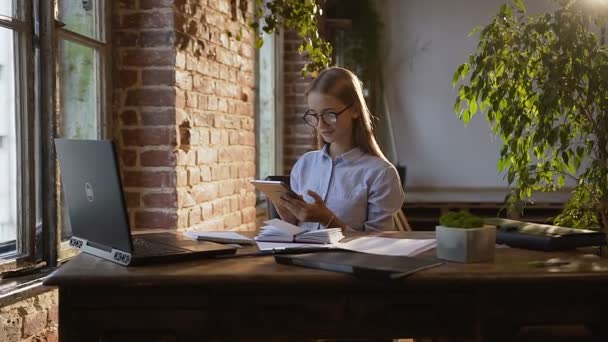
280,231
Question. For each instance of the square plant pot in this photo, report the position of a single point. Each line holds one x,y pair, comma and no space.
466,244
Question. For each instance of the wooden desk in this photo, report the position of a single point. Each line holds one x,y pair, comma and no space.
253,298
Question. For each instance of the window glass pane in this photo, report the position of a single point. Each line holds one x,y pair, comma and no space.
78,104
8,148
78,100
81,16
267,108
6,8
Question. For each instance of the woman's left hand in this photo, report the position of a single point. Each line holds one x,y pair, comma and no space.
308,212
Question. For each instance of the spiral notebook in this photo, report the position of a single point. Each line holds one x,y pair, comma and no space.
220,237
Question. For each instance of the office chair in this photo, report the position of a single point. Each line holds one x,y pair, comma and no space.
401,223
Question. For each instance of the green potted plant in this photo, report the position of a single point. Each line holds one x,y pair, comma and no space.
463,237
542,82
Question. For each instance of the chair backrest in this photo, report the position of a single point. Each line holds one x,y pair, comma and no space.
271,211
401,223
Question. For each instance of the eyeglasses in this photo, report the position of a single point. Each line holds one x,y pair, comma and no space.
329,117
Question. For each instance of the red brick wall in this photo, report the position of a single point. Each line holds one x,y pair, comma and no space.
33,319
144,98
215,115
184,112
298,138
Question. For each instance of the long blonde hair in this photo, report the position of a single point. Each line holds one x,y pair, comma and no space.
346,87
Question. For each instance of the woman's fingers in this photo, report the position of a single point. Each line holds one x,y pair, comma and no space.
316,196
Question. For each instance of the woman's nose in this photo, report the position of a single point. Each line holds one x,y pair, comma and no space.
322,123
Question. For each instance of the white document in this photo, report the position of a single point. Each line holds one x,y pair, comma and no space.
388,246
365,244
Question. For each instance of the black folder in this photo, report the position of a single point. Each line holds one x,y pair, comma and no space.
361,264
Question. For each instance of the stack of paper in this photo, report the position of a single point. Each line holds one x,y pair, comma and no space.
388,246
280,231
220,237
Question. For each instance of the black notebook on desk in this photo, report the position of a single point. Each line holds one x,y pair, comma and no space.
360,264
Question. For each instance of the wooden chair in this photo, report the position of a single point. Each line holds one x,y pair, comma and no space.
401,223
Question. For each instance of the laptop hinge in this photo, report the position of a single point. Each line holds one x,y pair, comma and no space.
115,255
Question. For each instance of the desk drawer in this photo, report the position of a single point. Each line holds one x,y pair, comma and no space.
347,315
136,325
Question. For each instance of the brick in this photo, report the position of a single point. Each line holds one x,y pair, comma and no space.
183,80
156,219
149,179
157,158
34,323
129,117
221,207
249,214
127,78
194,216
207,211
125,39
226,188
152,4
194,176
133,199
11,326
148,57
182,178
126,4
160,200
207,155
158,77
128,157
234,203
151,97
206,174
185,199
233,220
54,314
213,224
205,192
147,20
149,136
157,39
158,117
182,218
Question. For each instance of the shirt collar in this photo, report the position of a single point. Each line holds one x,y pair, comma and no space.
349,156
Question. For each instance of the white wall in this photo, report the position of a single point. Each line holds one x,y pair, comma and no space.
426,40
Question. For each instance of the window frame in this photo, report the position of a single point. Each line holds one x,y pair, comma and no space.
102,47
22,25
38,35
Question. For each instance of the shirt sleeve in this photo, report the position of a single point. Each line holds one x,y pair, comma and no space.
385,199
294,177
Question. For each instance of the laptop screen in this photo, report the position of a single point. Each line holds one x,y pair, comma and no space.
93,193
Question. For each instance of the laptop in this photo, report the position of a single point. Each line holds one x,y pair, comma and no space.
98,214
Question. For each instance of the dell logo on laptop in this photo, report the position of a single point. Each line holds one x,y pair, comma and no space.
88,191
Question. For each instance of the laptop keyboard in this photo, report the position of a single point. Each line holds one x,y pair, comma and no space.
143,247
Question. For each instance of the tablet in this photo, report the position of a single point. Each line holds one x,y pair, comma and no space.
273,189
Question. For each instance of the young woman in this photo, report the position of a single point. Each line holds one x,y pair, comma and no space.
347,183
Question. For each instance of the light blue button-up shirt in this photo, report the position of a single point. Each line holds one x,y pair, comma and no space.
362,190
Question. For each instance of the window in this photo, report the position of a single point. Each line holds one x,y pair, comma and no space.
81,63
56,90
17,169
269,123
